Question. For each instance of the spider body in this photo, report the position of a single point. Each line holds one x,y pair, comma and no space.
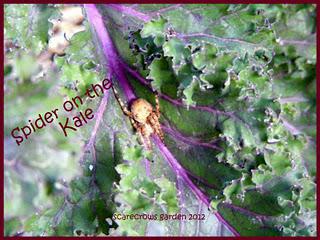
143,117
141,110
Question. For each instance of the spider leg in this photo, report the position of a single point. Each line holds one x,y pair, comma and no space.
159,132
157,105
122,105
138,129
141,131
140,138
156,127
134,124
145,137
147,143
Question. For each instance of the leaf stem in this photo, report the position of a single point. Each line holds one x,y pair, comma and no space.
188,140
108,48
130,11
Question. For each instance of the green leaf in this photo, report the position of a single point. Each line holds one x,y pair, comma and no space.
12,226
205,57
163,79
176,49
168,194
155,28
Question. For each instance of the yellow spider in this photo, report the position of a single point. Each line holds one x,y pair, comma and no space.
143,118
